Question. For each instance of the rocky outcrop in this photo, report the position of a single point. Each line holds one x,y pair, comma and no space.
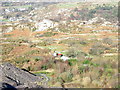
12,76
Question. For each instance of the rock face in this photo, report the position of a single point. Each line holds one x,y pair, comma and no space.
12,76
45,24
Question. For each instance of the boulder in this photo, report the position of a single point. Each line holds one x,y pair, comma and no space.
15,77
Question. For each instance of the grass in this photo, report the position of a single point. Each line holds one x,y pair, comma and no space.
44,72
81,68
67,5
4,20
56,47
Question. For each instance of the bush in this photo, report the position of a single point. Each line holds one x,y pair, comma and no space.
98,49
32,45
69,77
7,50
34,29
37,51
46,51
38,59
86,62
72,62
43,43
21,60
81,55
27,60
107,41
44,67
21,40
72,42
49,41
72,53
49,34
83,42
29,68
65,77
81,69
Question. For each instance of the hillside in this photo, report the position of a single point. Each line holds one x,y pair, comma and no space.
74,44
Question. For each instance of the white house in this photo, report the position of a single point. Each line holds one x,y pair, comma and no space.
54,54
64,58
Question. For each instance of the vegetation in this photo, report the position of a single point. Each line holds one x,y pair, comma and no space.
98,49
106,11
49,34
93,58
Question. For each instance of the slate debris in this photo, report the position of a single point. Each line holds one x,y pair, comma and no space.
13,77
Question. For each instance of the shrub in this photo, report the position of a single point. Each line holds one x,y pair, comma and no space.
22,40
49,34
38,51
49,41
81,69
72,53
81,55
21,60
38,58
32,45
44,67
95,65
75,9
43,43
69,77
107,41
98,49
46,50
7,35
83,42
7,50
29,68
26,60
72,42
72,62
86,62
34,29
65,77
17,62
75,52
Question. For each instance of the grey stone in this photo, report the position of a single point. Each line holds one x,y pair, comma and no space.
18,78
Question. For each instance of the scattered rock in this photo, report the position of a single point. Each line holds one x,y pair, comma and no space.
15,77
